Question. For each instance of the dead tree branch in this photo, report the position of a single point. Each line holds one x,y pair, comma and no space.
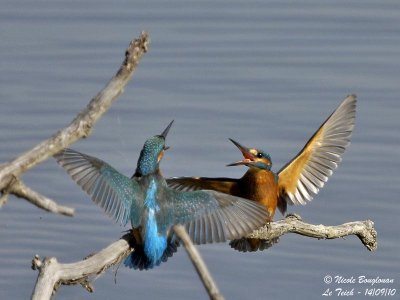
79,128
198,264
19,189
364,230
52,274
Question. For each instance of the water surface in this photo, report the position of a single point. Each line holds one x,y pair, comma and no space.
266,73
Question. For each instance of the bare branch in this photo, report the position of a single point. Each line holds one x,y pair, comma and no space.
53,274
364,230
81,126
3,199
19,189
199,264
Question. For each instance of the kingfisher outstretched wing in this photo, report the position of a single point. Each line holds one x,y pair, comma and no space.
212,216
221,184
301,178
117,194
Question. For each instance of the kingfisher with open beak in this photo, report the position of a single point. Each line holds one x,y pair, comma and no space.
153,208
296,183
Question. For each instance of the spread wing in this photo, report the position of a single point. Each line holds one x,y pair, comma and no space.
212,216
223,185
114,192
305,174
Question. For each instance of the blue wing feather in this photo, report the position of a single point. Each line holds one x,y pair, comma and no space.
118,195
211,216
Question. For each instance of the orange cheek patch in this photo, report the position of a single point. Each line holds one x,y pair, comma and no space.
160,156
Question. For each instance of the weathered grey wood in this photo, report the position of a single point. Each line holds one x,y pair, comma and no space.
83,123
364,230
198,264
19,189
52,273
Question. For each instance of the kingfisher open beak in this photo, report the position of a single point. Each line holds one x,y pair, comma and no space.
248,157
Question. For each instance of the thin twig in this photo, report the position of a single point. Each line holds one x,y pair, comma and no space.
3,199
19,189
199,264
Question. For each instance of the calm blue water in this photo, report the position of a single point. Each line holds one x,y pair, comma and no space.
266,73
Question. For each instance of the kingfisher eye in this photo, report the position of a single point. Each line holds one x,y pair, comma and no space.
260,155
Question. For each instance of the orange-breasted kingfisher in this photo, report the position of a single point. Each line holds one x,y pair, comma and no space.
295,183
153,208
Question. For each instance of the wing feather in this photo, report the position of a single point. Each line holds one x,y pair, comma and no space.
211,216
114,192
301,178
223,185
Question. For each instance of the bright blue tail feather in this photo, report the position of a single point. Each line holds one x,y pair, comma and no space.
138,260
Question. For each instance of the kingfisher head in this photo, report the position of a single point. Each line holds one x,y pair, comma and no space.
152,153
253,158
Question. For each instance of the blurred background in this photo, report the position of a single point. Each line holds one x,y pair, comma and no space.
266,73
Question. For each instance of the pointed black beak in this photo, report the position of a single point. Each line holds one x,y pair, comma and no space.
165,132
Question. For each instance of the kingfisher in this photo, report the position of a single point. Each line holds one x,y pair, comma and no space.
296,183
153,208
